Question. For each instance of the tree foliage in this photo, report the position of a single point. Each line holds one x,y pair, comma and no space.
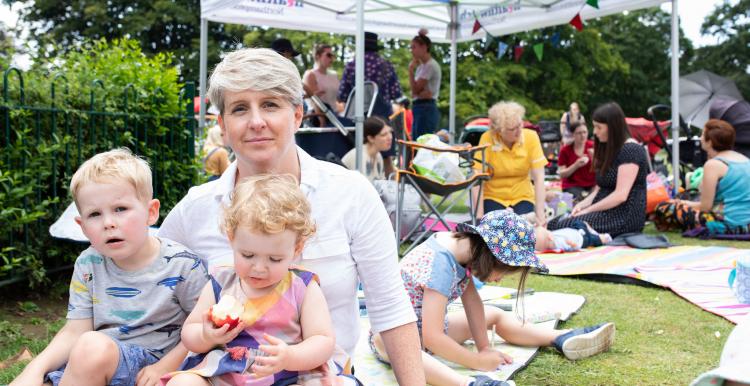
730,25
159,25
623,57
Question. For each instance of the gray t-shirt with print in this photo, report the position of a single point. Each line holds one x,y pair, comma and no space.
145,307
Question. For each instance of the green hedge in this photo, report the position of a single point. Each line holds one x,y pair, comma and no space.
63,111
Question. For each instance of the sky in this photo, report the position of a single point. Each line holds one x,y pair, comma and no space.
692,13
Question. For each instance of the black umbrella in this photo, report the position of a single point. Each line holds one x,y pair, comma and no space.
737,113
698,91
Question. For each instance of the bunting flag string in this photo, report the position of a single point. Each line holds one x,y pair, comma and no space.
502,48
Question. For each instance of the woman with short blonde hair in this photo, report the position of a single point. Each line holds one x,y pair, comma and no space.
517,159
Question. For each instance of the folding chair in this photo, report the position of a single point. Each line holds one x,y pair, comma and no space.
371,95
425,186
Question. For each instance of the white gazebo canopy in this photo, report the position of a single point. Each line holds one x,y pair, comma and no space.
447,21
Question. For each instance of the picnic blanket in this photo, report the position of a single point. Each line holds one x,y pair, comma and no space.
698,274
546,308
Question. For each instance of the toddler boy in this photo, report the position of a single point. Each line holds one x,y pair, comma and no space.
578,236
130,292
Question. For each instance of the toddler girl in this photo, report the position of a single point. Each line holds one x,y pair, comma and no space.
284,335
439,271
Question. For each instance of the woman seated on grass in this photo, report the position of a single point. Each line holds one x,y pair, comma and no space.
724,206
574,163
378,137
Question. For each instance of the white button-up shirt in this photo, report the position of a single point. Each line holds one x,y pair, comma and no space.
354,243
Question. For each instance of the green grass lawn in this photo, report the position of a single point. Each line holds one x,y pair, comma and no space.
661,338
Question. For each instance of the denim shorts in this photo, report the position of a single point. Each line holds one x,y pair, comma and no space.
132,359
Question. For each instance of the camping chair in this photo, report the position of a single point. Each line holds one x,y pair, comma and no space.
426,186
371,96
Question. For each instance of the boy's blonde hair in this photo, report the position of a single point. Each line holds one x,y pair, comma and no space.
270,204
119,165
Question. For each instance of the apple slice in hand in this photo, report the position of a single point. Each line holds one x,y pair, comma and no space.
227,311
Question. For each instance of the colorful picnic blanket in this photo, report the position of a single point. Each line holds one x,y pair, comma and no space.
698,274
546,308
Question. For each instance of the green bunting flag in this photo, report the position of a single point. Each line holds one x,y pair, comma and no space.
593,3
539,50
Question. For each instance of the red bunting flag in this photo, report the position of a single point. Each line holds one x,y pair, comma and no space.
477,26
517,52
577,22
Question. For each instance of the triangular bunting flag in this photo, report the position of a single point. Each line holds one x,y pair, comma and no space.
555,39
502,48
593,3
517,52
476,27
577,22
539,50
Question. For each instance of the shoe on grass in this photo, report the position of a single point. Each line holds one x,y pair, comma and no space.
483,380
585,342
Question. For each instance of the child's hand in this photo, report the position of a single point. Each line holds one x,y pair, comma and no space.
221,335
278,352
490,360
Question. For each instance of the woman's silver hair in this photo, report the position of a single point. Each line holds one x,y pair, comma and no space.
505,114
257,69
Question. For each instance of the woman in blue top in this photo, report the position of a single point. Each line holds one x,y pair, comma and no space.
724,206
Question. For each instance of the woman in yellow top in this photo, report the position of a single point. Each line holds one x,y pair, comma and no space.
516,157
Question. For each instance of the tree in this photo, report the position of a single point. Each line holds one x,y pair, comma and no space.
730,58
642,39
159,26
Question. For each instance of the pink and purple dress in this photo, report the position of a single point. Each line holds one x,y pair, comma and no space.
276,313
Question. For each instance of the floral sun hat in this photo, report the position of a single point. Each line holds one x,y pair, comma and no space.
509,236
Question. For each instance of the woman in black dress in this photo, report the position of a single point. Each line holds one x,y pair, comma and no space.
618,202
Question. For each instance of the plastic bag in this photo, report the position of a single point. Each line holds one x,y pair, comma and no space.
439,166
656,191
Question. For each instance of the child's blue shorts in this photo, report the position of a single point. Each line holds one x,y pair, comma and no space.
132,359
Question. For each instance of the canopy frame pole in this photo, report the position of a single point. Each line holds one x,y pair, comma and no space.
453,30
359,85
676,96
202,74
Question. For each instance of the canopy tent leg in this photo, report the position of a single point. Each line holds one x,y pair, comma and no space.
453,30
359,85
675,96
202,74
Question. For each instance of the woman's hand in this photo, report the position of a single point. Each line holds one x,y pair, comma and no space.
580,208
413,65
490,360
221,335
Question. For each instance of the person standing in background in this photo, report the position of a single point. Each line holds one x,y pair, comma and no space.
321,81
568,117
381,72
424,79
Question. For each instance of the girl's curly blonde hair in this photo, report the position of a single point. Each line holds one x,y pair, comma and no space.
269,203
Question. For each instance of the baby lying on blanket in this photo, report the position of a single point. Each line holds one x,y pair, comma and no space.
580,235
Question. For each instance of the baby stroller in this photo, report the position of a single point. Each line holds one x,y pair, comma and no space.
737,113
474,127
691,155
